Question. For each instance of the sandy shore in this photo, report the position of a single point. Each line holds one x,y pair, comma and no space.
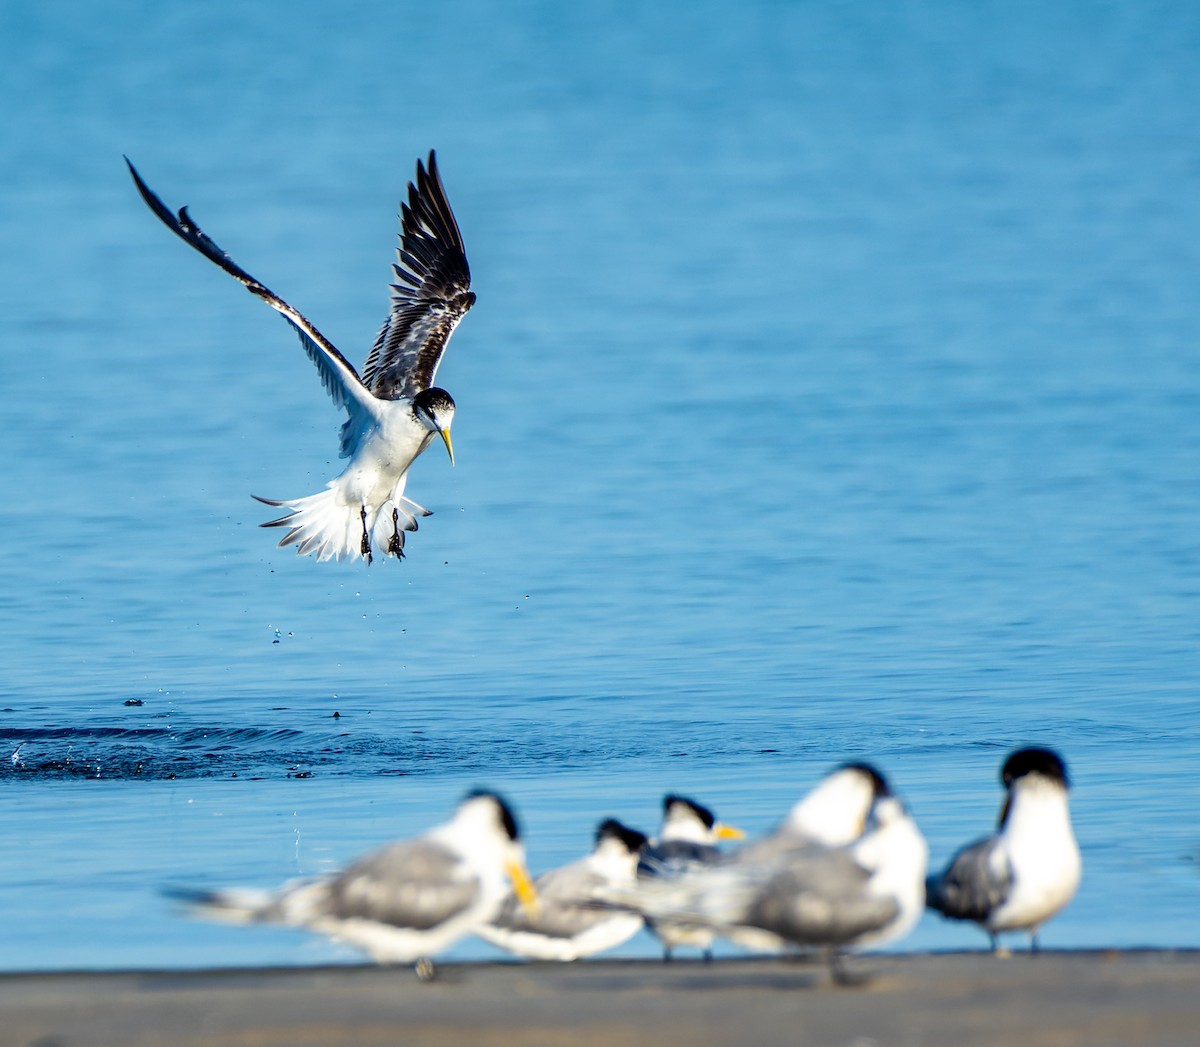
956,1000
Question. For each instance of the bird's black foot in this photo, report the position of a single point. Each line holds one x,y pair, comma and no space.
396,542
365,547
667,957
842,977
425,969
708,955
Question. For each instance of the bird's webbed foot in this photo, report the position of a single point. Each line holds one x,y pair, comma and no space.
365,547
396,542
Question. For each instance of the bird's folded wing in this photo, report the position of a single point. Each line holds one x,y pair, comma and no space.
566,904
415,884
974,883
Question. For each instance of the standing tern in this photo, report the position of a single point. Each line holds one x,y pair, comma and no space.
687,843
405,902
834,813
393,408
833,898
567,924
1029,869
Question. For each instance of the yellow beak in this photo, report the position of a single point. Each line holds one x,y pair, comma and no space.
523,886
445,434
728,832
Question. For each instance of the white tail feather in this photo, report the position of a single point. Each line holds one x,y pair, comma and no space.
296,903
324,525
236,905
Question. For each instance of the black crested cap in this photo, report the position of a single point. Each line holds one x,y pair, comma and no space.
1034,761
879,784
507,819
611,829
699,810
433,399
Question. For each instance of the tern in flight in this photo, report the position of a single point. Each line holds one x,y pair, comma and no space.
394,409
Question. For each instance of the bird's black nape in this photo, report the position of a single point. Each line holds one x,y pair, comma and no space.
507,819
879,784
1034,760
433,401
611,829
699,810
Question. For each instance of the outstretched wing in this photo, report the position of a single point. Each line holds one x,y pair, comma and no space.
430,297
339,378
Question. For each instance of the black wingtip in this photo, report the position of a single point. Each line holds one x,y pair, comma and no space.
181,226
143,188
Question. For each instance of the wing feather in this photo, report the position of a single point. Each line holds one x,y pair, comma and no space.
338,376
972,885
415,883
673,858
431,295
566,904
822,900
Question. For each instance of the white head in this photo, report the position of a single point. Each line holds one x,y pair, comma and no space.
485,830
835,812
687,821
615,855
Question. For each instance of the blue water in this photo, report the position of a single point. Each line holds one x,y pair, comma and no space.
832,392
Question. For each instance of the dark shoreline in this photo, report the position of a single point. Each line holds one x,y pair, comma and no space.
1092,999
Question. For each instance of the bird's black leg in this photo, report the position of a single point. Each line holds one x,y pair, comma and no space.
365,548
396,543
841,976
837,968
1034,944
708,955
667,957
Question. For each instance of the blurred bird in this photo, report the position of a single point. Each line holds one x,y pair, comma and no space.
687,842
394,410
832,814
405,902
788,890
566,924
1029,869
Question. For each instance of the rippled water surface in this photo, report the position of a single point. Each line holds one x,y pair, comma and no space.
832,393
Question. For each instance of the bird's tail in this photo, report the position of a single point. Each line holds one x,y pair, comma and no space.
235,905
295,903
324,525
